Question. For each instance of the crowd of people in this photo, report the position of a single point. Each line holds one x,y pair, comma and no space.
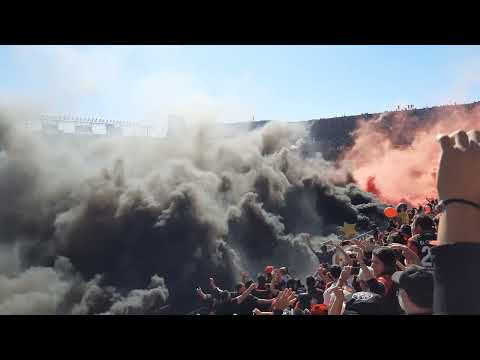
424,262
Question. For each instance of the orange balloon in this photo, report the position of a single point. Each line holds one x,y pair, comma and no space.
390,212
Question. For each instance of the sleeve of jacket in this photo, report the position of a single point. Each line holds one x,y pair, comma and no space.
457,271
376,287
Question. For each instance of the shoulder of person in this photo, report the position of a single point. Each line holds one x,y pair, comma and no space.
414,237
386,281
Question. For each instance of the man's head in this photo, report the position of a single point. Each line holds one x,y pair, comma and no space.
395,237
284,271
402,207
304,301
291,284
415,289
383,261
323,248
310,282
298,284
261,281
406,231
422,224
411,214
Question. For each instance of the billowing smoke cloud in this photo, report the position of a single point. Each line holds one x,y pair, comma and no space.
129,225
395,156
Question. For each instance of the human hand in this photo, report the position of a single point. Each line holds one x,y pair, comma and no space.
345,274
458,173
410,256
283,299
360,256
338,292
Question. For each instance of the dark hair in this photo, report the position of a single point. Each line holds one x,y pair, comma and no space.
323,248
261,280
418,284
298,283
268,277
291,284
335,271
388,258
310,281
406,230
402,207
395,237
424,222
304,301
248,283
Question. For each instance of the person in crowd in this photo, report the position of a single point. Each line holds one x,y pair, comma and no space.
415,293
303,304
268,273
364,303
284,272
262,291
406,233
292,284
395,237
384,265
319,309
324,255
333,272
423,229
340,282
417,273
277,283
315,292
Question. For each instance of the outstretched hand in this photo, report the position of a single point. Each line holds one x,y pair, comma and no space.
458,177
283,299
459,169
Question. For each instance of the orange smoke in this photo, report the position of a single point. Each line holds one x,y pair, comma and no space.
395,156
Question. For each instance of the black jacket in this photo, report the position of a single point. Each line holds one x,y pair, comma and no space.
457,279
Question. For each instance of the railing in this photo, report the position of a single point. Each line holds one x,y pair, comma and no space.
50,123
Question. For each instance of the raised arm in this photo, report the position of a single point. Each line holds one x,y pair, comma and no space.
459,227
343,252
244,295
336,305
411,258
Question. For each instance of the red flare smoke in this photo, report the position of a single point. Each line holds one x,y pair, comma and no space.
395,156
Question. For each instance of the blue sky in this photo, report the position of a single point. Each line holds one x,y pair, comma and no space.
230,83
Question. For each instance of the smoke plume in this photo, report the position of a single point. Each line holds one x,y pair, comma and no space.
395,156
128,226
